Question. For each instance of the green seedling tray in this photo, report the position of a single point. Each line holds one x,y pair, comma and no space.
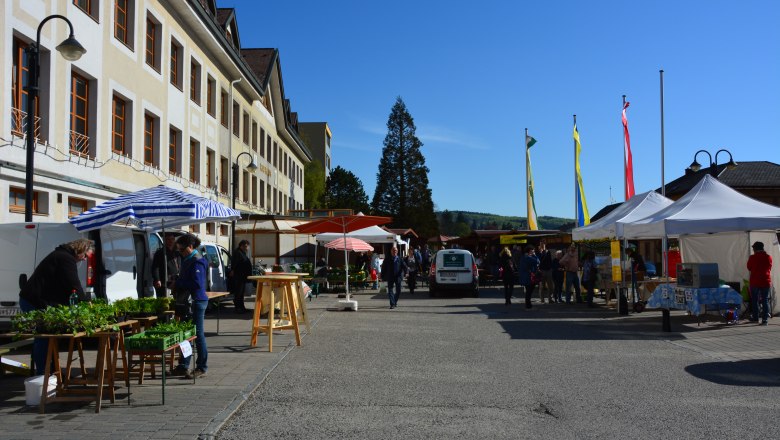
145,341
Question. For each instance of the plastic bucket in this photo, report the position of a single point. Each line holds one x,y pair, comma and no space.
33,387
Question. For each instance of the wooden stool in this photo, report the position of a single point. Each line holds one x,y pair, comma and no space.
266,284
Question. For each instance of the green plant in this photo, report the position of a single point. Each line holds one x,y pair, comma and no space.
86,317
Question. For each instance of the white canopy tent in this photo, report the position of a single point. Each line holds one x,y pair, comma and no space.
715,224
708,208
371,234
611,225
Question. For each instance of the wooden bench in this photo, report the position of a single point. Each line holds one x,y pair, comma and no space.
13,367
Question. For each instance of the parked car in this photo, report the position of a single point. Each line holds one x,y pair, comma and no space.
453,270
119,268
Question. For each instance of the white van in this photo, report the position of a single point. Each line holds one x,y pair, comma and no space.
120,267
453,269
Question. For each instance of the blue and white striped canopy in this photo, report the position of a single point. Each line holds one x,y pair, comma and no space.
153,209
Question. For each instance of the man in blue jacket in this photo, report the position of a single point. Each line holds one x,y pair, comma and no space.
192,279
393,271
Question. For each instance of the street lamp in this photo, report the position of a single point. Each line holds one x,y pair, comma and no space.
71,50
696,166
252,167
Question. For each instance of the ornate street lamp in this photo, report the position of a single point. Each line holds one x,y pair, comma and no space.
71,50
696,166
252,167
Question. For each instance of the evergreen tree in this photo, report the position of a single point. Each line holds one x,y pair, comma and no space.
402,190
345,190
314,185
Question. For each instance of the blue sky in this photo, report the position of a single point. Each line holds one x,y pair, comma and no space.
474,75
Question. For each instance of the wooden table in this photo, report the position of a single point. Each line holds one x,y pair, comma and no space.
301,298
266,285
103,379
216,295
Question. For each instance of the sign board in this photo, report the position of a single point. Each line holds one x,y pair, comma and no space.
513,239
614,247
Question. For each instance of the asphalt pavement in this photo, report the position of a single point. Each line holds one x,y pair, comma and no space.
453,367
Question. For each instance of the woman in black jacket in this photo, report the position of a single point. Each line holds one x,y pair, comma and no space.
51,284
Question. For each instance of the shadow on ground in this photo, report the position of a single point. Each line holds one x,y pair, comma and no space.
754,373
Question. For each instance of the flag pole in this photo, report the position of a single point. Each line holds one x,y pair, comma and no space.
576,185
527,194
666,324
625,171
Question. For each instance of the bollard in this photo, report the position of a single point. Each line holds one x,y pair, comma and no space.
622,303
666,322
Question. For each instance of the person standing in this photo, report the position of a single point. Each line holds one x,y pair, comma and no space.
192,281
393,271
376,268
166,254
589,274
557,274
241,268
545,266
508,274
529,264
52,283
760,266
412,267
571,264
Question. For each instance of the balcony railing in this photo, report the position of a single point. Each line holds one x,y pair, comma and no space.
79,144
19,123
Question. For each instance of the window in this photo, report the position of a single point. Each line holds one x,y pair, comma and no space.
210,228
268,147
150,140
262,194
236,119
254,190
254,136
16,200
223,108
223,230
195,81
119,142
174,155
20,79
210,170
79,115
211,96
152,43
123,22
262,142
245,127
224,170
76,206
276,155
195,229
194,161
88,6
176,64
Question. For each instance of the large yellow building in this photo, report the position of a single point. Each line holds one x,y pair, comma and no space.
164,95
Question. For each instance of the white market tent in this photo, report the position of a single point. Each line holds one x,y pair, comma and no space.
371,234
611,225
709,207
715,224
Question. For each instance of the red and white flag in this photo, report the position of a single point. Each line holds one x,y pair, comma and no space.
629,163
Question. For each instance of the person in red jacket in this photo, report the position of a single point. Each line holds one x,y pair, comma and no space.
760,266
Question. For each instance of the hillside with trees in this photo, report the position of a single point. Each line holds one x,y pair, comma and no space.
460,223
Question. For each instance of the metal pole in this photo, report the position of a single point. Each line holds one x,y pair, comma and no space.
234,166
32,95
576,186
527,183
666,324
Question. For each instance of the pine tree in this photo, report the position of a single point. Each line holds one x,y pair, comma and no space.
402,180
344,189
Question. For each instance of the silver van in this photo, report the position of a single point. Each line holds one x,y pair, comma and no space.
453,269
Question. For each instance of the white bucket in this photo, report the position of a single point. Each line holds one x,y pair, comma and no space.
34,385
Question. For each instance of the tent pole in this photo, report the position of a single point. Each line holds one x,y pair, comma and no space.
164,280
346,265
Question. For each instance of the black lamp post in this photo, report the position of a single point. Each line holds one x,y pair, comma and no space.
696,166
71,50
251,167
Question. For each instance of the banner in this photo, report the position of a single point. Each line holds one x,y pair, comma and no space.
583,218
513,239
629,162
617,273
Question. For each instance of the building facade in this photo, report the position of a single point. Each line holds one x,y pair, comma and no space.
164,95
317,137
